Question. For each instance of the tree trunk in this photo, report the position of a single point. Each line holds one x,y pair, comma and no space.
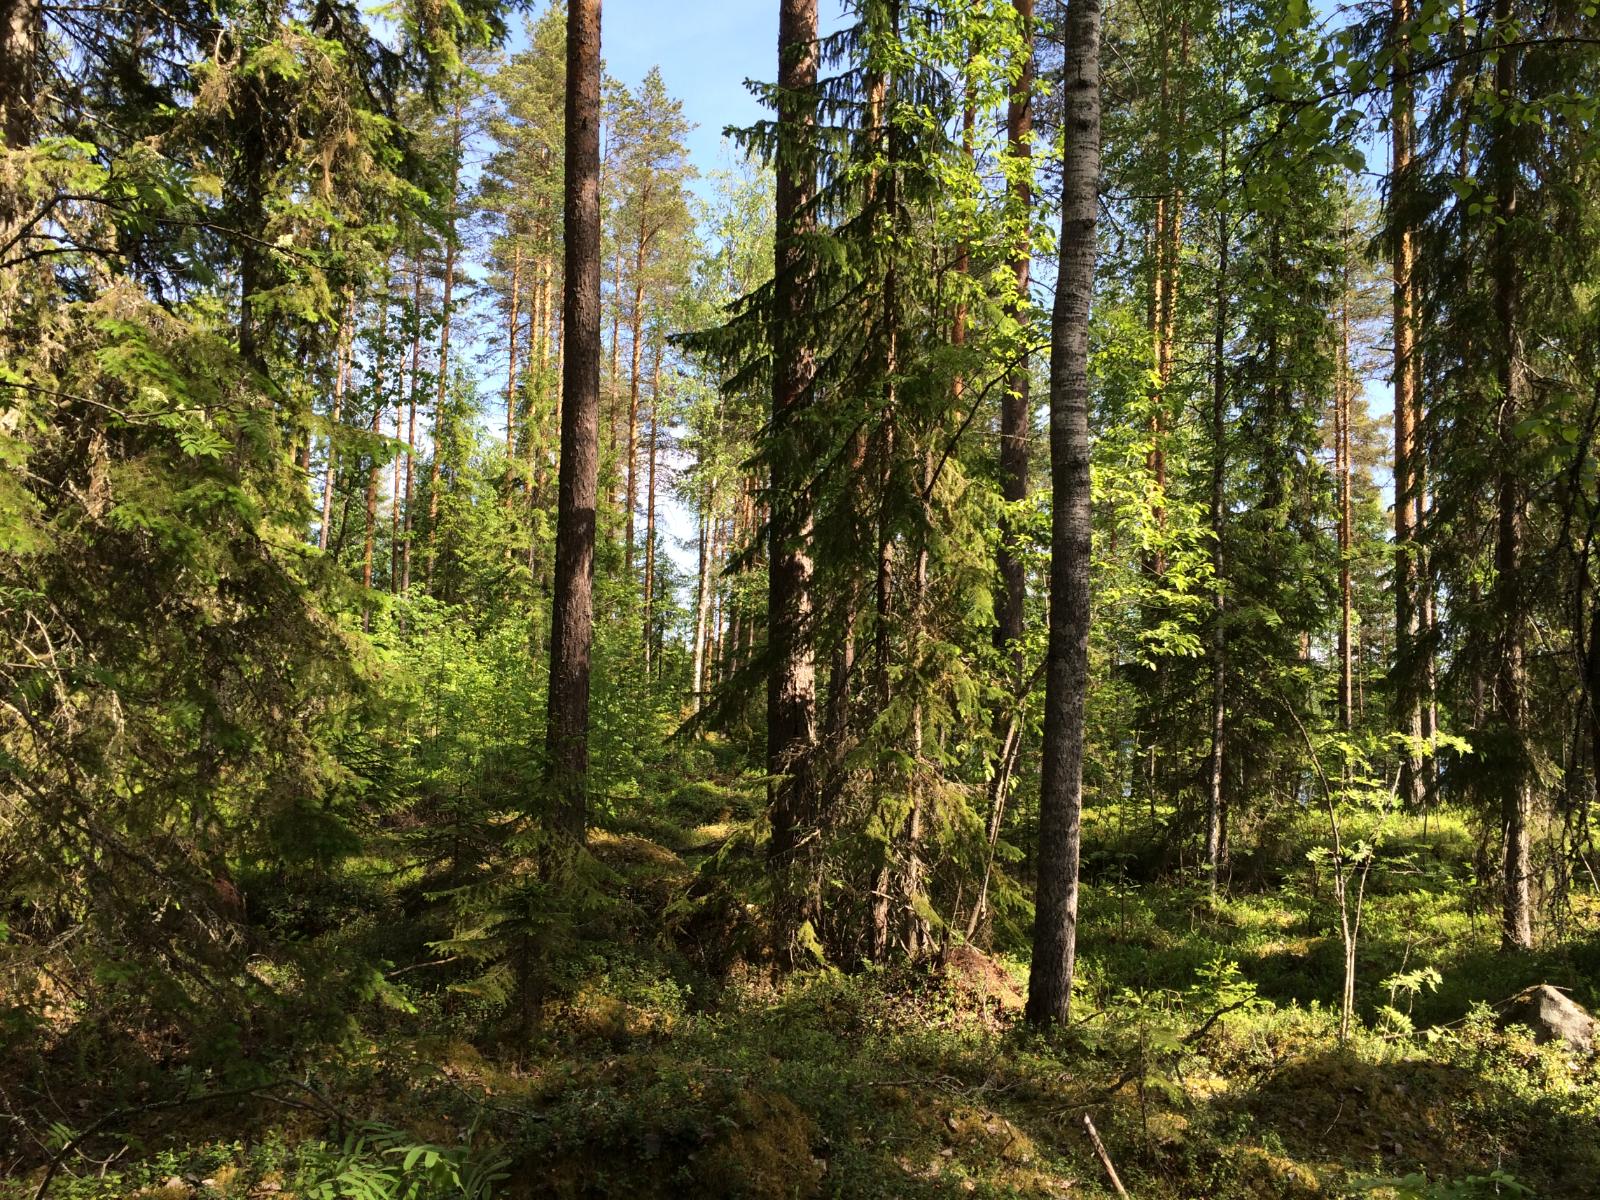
446,305
372,469
535,432
572,611
411,420
511,364
791,681
702,607
1014,403
21,37
634,350
650,510
1408,711
546,317
21,30
1066,674
1516,930
1216,800
1344,387
614,391
341,377
394,477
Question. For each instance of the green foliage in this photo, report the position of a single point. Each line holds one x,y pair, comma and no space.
1420,1187
380,1162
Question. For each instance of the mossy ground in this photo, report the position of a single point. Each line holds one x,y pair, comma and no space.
654,1079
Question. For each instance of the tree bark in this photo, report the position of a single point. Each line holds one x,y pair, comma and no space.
702,607
1344,387
791,681
21,30
650,510
1216,799
441,396
572,611
394,478
511,363
635,350
372,469
1516,930
1066,674
614,391
21,37
1015,415
1408,710
411,420
341,376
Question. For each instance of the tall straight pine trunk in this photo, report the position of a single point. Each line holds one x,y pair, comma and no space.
372,466
1067,664
411,420
1014,403
635,351
1344,386
791,679
447,307
512,320
653,447
1408,707
1516,929
341,377
1216,799
572,609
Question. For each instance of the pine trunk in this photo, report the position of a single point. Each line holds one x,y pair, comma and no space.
1344,387
1015,415
1516,930
372,468
791,681
511,365
1408,711
702,606
341,377
441,396
411,421
631,490
1216,799
650,511
572,611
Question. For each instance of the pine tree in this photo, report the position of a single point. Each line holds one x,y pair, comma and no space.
572,612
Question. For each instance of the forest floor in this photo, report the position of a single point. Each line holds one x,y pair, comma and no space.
1204,1049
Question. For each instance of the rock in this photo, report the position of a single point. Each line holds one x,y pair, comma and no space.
1552,1017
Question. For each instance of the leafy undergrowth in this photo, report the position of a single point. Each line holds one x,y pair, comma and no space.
1203,1051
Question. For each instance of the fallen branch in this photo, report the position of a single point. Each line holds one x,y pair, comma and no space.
1204,1028
1105,1159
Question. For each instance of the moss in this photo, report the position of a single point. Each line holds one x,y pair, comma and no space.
1264,1175
767,1155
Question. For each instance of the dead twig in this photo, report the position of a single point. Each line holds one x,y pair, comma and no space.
1105,1159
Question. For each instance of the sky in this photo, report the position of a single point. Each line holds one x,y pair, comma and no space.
705,49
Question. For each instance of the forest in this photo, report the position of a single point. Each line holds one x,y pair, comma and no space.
1028,627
